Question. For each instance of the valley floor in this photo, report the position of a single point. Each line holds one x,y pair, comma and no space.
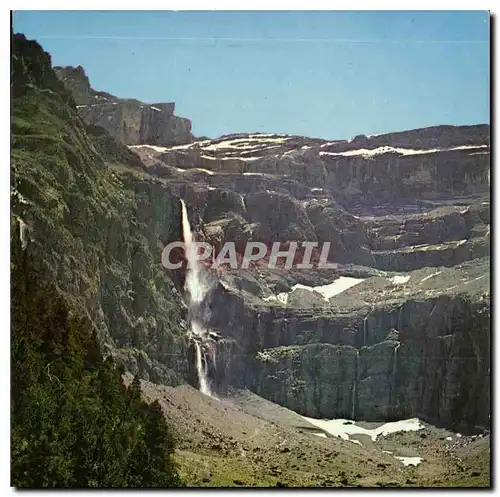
244,440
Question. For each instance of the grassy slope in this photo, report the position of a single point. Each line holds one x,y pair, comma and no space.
244,440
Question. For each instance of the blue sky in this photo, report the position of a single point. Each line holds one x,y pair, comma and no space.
321,74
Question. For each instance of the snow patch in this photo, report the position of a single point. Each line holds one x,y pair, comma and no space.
270,298
338,286
154,147
281,297
398,150
182,147
266,135
298,286
92,105
209,157
409,461
326,291
211,173
430,276
329,290
475,279
240,158
343,428
246,144
400,280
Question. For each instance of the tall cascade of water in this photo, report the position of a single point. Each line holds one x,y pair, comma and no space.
393,378
354,386
196,287
395,366
400,318
365,326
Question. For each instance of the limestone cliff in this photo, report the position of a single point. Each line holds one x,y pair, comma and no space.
389,347
407,215
129,121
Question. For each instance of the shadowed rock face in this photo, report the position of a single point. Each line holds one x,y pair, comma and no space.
378,350
129,121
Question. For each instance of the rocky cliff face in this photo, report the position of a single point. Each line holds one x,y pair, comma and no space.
392,208
441,162
401,328
93,224
129,121
404,327
390,346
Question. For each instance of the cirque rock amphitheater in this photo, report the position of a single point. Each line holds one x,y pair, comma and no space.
375,373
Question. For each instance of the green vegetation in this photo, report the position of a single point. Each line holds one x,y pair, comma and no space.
89,265
74,423
109,148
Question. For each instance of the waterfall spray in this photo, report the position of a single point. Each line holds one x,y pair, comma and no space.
197,288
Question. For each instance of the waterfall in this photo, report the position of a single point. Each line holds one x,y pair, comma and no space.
394,372
195,283
354,386
395,359
365,326
400,318
201,369
211,348
197,288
